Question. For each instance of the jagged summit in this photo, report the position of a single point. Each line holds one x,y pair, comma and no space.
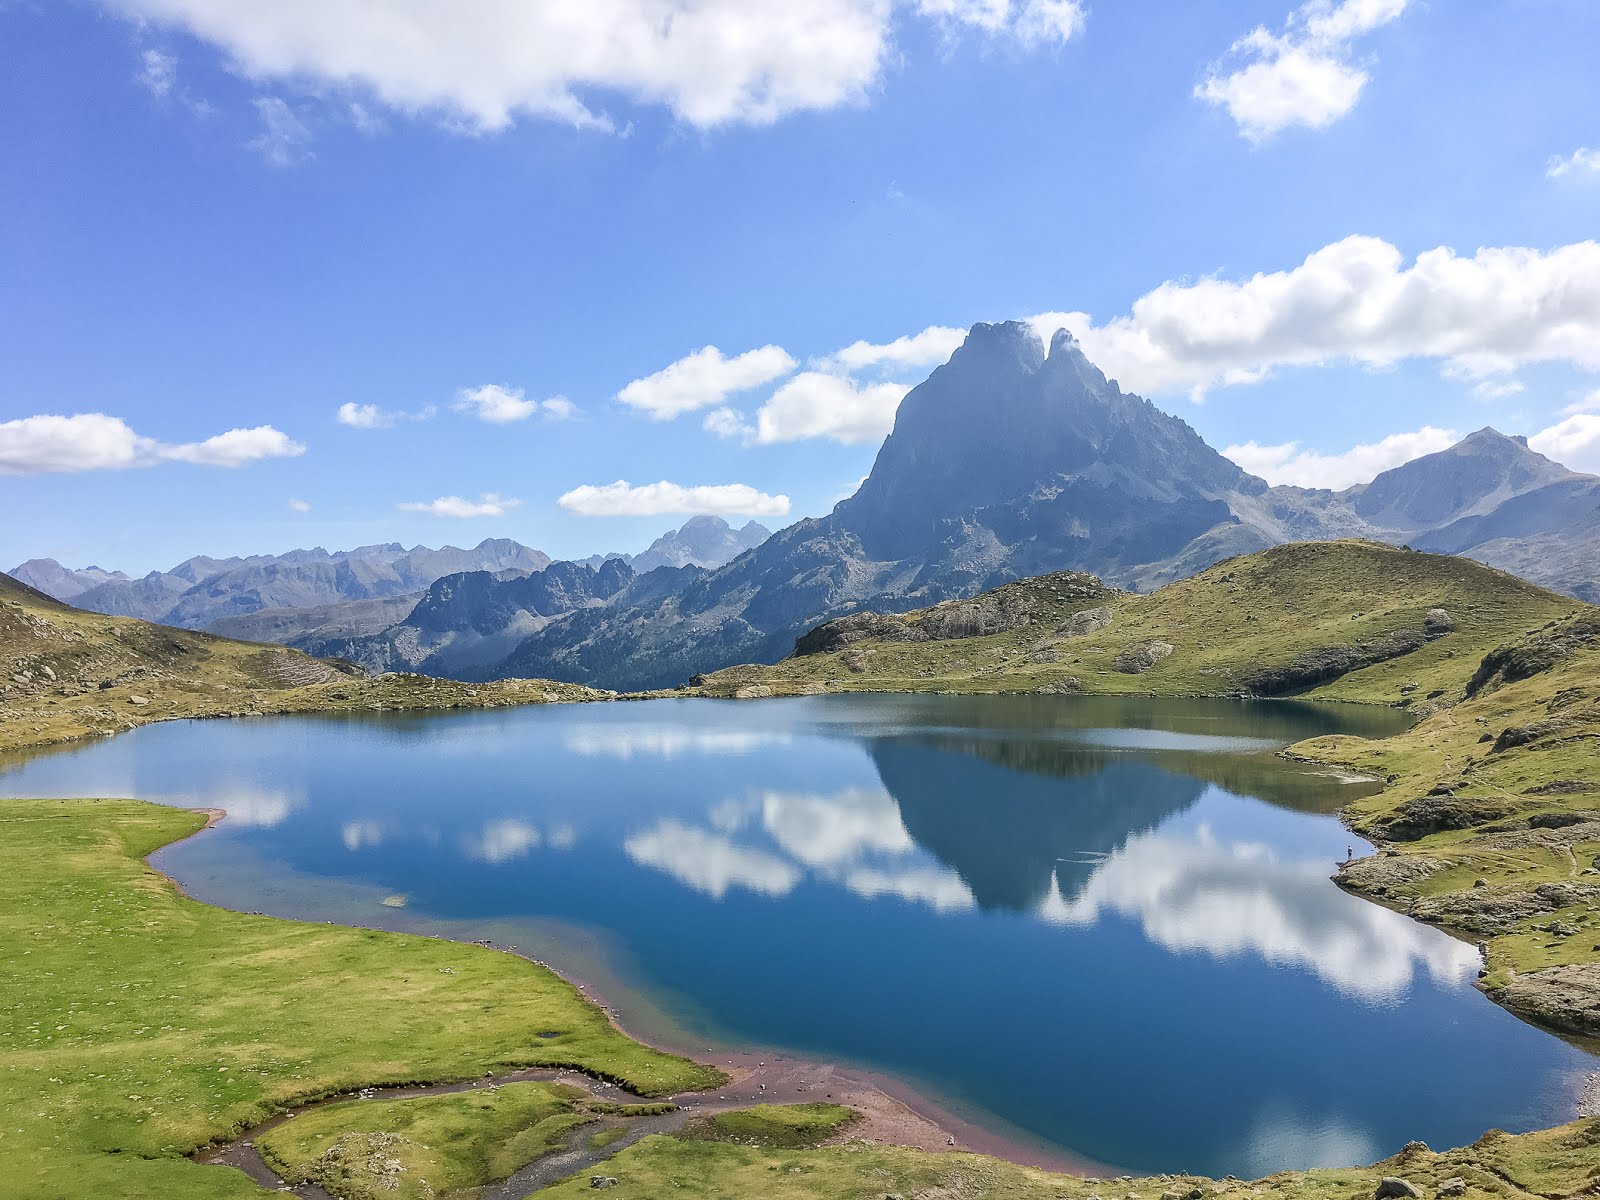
1001,421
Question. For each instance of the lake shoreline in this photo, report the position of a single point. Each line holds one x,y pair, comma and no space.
895,1112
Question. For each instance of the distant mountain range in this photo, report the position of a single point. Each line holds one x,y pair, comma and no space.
346,593
1009,461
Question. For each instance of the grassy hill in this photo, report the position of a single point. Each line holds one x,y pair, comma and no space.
66,673
1347,620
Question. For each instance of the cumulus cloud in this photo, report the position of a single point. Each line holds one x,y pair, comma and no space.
1357,300
483,65
932,346
1305,75
727,423
1574,442
95,442
299,506
1289,463
819,404
704,379
284,139
499,404
621,499
1584,161
487,505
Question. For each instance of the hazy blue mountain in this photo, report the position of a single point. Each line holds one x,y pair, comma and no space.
700,542
201,591
1471,479
465,624
50,577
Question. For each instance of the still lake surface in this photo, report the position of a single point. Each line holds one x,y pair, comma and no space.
1100,925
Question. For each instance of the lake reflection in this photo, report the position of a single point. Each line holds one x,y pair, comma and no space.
1106,923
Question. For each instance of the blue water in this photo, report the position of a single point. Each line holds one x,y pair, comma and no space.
1106,924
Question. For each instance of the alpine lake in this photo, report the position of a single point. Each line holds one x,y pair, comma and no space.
1100,927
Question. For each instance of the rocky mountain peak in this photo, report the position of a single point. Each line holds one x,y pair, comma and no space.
1478,473
1000,421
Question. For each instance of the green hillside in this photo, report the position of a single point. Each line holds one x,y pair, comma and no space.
66,673
1343,620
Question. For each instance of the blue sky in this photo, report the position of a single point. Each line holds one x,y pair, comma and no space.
220,216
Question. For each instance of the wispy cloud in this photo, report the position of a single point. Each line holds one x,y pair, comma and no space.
704,379
372,416
621,499
489,504
500,404
284,139
1583,161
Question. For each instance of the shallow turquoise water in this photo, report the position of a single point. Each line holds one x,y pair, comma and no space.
1106,924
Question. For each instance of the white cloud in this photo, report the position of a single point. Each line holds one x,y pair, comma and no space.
1497,389
95,442
559,408
1031,22
1357,300
487,505
817,404
1583,161
299,506
371,416
1589,403
499,404
704,379
1303,76
1574,442
727,423
620,499
158,72
284,138
481,66
235,448
1288,463
711,863
929,348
